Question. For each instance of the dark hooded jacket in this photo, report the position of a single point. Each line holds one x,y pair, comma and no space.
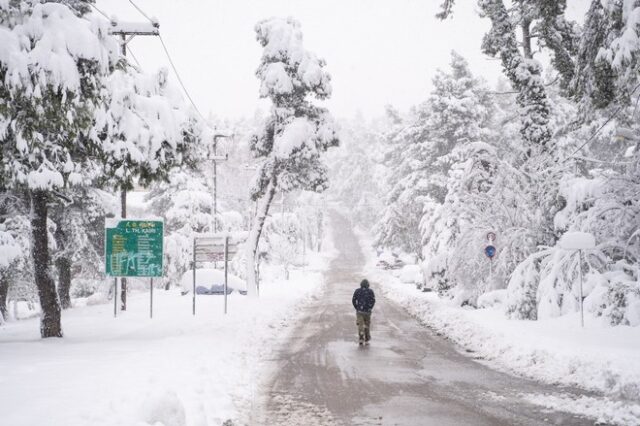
363,298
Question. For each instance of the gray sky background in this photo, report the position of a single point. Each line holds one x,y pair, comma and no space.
378,51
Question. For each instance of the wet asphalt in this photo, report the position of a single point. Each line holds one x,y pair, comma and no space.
408,375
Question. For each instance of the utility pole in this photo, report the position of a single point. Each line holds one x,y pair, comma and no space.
127,31
215,159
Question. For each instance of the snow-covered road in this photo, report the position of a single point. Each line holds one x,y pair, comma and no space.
407,376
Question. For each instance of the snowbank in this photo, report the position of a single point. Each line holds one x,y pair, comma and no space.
174,369
599,358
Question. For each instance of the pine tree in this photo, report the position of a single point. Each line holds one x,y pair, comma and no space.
46,112
523,71
457,112
79,238
146,128
297,132
560,36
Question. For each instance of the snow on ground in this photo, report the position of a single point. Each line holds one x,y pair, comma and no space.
606,410
598,358
172,370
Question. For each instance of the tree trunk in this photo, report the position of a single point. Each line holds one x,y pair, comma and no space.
262,210
50,318
63,264
4,291
526,38
64,282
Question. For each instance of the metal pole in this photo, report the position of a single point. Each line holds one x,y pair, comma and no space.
226,265
581,298
215,188
123,197
151,299
115,297
194,276
490,270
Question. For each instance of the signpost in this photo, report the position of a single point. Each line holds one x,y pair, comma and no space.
578,241
214,248
490,251
134,248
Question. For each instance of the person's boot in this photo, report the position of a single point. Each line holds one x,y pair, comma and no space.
361,340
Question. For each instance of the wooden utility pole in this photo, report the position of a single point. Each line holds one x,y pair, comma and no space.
127,31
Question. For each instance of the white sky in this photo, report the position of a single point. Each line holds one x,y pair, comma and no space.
378,51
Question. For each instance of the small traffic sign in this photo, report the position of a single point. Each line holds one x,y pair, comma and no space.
490,251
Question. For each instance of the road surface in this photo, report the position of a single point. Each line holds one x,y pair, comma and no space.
407,376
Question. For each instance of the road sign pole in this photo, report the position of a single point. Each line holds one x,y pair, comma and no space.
581,298
490,270
226,264
115,297
151,299
194,276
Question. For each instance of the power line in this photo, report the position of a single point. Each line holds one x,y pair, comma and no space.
173,66
175,70
141,12
166,51
133,56
98,10
611,117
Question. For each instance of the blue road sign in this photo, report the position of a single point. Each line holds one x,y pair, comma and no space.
490,251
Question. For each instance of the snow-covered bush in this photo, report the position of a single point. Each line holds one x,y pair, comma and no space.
623,304
282,242
411,274
491,299
522,301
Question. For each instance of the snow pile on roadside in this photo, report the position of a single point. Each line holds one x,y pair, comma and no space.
174,369
598,358
605,410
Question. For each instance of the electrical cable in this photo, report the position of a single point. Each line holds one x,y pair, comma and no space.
141,12
133,56
611,117
173,66
98,10
175,70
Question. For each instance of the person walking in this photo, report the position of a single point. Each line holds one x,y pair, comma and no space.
363,301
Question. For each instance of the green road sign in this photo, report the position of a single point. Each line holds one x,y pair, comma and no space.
133,248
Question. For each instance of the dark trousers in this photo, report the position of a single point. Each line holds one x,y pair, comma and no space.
363,321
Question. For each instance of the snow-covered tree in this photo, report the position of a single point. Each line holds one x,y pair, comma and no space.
357,172
458,111
455,230
186,204
51,64
607,61
10,248
296,134
146,129
524,72
79,238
